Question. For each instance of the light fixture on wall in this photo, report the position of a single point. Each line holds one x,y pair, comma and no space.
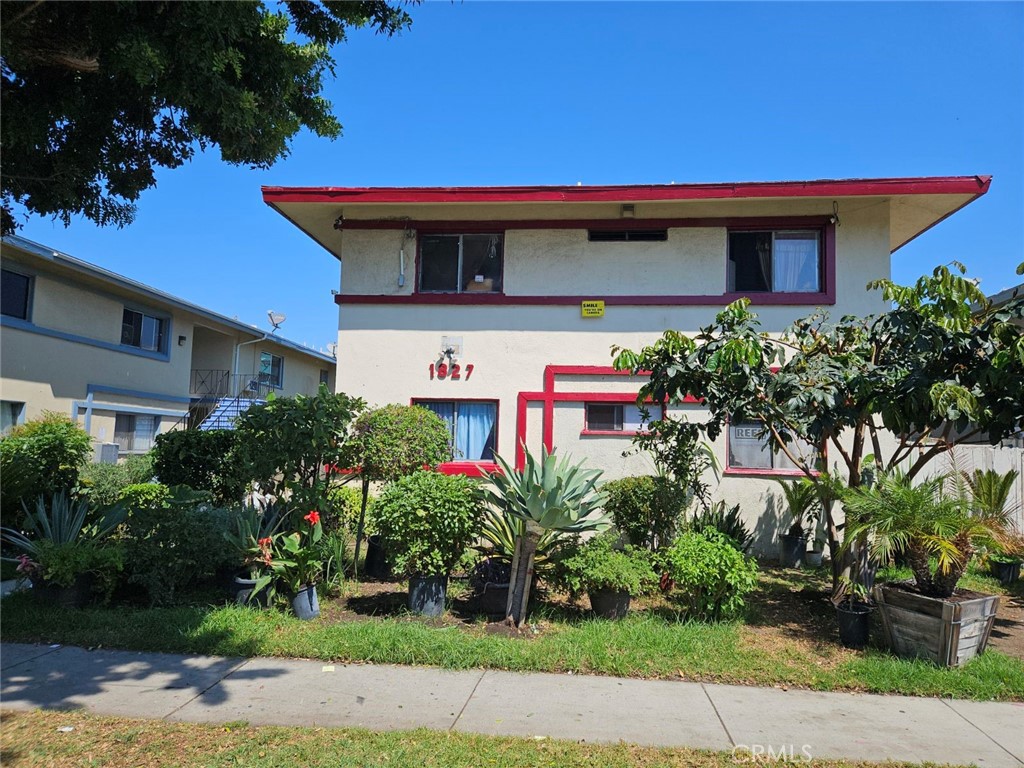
834,218
339,223
181,341
628,211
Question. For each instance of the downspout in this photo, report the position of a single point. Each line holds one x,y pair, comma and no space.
234,367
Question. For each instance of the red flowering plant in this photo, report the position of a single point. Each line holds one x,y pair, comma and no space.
293,558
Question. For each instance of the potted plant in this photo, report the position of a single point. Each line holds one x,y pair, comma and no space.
928,617
854,614
427,521
816,555
490,581
64,553
1005,565
610,574
250,537
802,503
295,560
989,493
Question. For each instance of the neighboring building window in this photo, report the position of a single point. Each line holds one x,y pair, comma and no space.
271,370
325,376
461,263
143,331
749,448
134,433
627,235
15,294
613,417
10,414
472,425
783,261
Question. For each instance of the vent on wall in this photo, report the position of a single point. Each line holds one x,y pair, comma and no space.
627,235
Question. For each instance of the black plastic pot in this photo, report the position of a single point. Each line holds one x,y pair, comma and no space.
1006,572
492,599
78,595
791,550
376,563
426,594
609,604
854,621
243,589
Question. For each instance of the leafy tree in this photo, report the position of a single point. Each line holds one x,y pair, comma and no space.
940,367
200,459
286,443
391,442
97,95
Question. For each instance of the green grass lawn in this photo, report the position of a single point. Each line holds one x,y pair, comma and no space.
788,638
35,738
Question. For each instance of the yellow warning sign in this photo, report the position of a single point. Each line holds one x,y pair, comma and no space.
592,309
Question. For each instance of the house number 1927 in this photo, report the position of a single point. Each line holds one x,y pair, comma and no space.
453,371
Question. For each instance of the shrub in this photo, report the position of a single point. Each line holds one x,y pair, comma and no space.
647,509
173,541
144,497
63,564
332,550
341,512
103,483
203,459
600,564
708,577
726,521
40,458
428,519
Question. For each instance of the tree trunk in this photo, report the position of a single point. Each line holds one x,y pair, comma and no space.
359,528
522,575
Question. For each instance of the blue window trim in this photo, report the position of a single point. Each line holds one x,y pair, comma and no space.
23,325
104,389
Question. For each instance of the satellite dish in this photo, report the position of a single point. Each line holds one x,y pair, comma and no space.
276,318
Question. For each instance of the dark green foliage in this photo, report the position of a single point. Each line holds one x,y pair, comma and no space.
103,483
284,444
724,520
601,563
203,459
97,96
176,544
707,576
679,455
648,509
62,564
40,458
428,520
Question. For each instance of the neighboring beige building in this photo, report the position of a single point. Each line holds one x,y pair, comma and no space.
485,304
126,360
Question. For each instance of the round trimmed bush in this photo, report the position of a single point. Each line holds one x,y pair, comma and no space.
707,576
427,520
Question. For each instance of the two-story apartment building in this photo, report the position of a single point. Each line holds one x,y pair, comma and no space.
497,307
126,360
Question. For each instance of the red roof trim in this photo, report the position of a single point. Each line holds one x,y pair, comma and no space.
927,185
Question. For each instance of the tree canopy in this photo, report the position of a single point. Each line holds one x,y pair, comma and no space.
939,368
97,95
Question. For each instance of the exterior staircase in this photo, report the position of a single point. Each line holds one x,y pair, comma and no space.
223,397
226,410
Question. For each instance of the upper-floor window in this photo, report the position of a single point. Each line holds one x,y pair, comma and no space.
143,331
15,294
271,370
461,263
780,261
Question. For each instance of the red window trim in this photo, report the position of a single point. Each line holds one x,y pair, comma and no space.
447,230
462,467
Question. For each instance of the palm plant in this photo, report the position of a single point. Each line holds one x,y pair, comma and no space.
62,521
802,501
990,491
924,523
547,496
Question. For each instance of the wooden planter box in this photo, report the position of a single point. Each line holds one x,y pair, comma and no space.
949,632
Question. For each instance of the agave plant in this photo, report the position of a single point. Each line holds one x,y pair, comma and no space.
61,521
248,526
923,522
547,497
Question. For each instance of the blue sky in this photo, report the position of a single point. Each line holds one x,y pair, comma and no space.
555,93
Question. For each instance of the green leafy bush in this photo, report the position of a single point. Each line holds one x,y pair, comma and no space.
601,564
396,440
63,564
103,483
174,543
40,458
726,521
341,512
708,577
144,497
428,519
647,509
202,459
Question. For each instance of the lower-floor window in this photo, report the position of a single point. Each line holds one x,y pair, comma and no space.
614,417
134,433
10,414
751,448
472,425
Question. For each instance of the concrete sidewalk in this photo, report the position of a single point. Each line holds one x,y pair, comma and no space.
594,709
